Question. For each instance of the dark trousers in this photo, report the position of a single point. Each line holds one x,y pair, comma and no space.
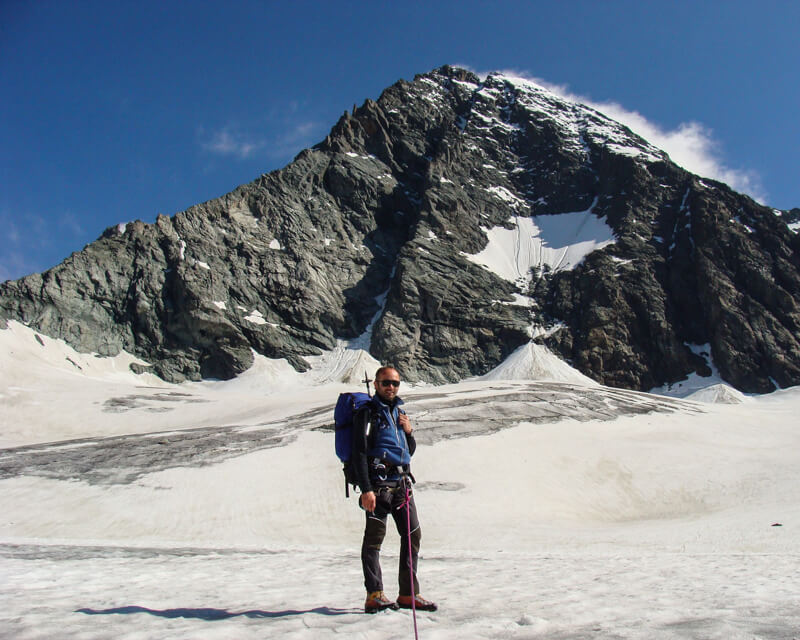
391,500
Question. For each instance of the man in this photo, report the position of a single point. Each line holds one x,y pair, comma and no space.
382,448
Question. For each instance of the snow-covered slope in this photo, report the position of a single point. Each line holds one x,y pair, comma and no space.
549,509
554,243
536,362
720,393
48,391
576,123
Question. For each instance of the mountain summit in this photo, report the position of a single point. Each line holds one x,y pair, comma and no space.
441,228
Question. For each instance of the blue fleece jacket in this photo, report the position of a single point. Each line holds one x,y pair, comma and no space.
389,441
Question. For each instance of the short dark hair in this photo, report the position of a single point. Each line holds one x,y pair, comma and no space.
383,370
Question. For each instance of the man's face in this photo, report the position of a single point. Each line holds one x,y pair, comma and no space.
384,386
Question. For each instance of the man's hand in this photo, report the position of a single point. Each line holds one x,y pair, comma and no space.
404,422
368,501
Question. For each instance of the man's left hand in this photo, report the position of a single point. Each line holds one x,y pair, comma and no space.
405,423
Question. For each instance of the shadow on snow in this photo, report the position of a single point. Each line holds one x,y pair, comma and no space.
217,614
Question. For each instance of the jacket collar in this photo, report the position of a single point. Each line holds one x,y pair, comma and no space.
397,402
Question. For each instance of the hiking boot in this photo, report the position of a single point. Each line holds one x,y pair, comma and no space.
377,601
420,603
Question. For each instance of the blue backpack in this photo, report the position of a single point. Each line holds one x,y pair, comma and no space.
347,406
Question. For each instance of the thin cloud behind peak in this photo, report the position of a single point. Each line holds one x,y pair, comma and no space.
691,145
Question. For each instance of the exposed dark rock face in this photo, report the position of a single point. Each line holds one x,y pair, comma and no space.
379,221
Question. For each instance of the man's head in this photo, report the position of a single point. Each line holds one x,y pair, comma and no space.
387,383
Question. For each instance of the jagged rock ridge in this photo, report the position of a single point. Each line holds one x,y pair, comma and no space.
378,222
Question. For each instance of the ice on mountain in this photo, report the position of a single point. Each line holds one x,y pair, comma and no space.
370,156
718,394
539,331
575,120
559,242
693,382
464,83
633,152
536,362
506,196
256,317
342,364
495,122
430,82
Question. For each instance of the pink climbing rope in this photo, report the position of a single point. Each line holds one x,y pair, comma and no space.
411,560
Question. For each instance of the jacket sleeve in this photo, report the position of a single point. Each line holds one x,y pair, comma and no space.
412,443
359,457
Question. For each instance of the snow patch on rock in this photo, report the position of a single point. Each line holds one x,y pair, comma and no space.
718,394
556,242
536,362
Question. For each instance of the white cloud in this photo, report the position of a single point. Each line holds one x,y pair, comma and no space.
295,138
11,232
70,222
14,261
278,141
229,142
690,144
27,241
15,265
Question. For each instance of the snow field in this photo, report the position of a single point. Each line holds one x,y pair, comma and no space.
657,525
98,593
559,242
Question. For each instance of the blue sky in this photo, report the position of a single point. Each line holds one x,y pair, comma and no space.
116,111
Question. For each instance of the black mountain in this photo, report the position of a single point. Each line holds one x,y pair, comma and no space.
379,221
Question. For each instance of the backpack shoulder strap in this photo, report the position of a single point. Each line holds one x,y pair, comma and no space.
372,416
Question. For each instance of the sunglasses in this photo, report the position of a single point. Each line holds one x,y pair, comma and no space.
387,383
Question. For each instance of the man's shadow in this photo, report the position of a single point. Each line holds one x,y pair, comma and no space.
210,614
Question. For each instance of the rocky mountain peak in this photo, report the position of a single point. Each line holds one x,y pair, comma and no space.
444,226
